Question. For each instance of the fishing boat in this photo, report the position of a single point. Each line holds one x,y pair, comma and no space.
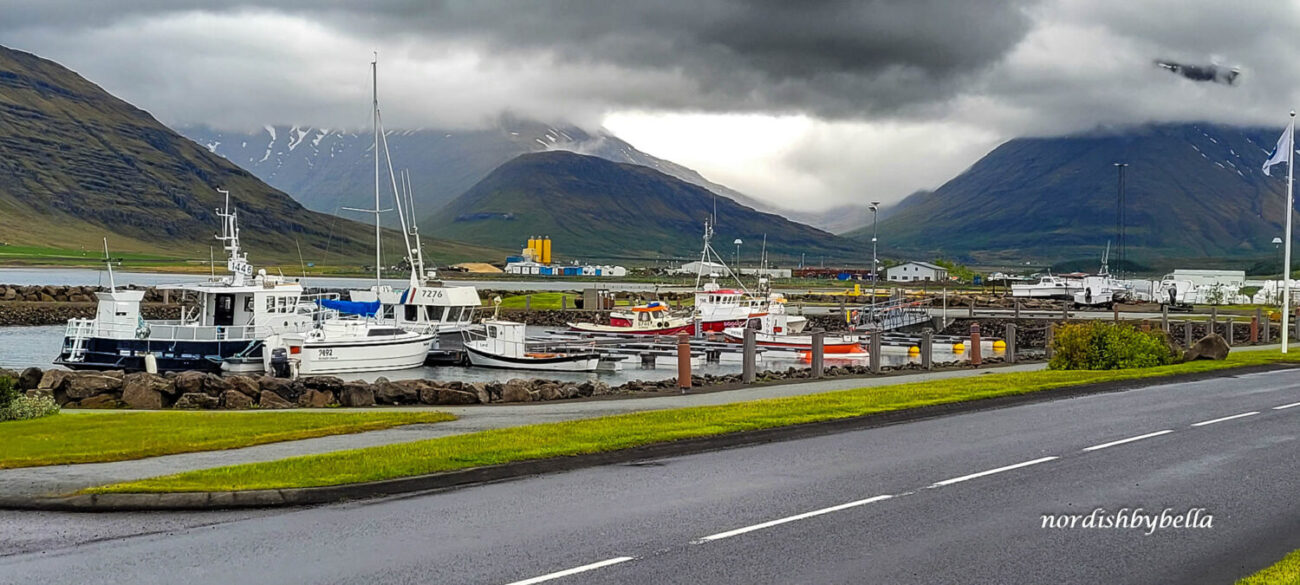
653,318
503,344
1101,289
340,344
222,320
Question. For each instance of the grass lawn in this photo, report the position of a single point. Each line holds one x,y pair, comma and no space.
97,437
632,430
1285,572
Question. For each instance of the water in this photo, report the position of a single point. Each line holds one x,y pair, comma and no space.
88,276
21,347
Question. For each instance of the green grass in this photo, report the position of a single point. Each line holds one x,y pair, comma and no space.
631,430
98,437
1285,572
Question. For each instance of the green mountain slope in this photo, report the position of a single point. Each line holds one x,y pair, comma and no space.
1193,190
594,208
77,164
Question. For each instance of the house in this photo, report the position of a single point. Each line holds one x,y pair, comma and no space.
916,272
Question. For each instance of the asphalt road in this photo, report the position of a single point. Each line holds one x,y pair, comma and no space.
957,499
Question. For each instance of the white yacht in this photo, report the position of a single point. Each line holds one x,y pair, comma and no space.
222,320
1048,287
341,345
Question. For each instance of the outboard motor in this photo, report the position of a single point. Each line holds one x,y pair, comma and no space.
280,363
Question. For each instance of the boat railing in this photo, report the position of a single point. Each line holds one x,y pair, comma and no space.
890,315
164,331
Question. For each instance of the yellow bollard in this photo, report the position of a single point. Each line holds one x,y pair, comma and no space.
958,347
913,351
999,345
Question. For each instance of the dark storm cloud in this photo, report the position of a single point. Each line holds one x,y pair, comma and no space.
824,57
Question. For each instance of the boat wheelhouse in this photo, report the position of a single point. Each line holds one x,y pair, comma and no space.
503,344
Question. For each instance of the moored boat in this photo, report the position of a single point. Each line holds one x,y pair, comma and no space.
503,344
653,318
342,345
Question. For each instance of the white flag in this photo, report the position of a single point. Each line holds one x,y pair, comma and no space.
1281,154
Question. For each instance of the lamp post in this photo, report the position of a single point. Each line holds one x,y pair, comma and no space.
875,264
1119,215
737,243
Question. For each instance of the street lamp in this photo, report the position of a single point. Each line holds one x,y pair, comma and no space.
737,243
1119,216
875,264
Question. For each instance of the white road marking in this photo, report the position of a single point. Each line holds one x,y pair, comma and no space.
1210,422
1286,406
769,524
1128,440
991,472
573,571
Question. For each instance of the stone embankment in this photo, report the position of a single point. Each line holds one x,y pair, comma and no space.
199,390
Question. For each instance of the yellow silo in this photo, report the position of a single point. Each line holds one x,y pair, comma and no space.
546,250
531,249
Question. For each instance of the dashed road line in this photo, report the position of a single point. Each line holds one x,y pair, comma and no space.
573,571
1128,440
1219,420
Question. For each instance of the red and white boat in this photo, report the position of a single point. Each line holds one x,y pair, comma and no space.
773,332
723,308
650,319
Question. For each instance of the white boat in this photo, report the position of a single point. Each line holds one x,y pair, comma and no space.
652,318
1048,287
223,320
502,344
1101,289
341,345
773,331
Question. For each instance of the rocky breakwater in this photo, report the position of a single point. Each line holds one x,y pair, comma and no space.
54,305
199,390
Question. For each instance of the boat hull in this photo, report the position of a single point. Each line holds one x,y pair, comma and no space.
363,355
582,362
598,328
831,344
170,355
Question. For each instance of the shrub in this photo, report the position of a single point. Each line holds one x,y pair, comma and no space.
8,392
1107,346
25,407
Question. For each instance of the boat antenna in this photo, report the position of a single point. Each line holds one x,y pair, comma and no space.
108,261
212,264
415,226
301,264
397,194
238,263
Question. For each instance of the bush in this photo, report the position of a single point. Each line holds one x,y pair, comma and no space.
1108,346
8,392
24,408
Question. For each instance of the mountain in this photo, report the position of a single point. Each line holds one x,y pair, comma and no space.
77,164
596,208
327,169
1193,190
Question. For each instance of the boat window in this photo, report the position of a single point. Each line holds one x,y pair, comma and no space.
388,311
412,313
492,331
435,313
270,304
381,331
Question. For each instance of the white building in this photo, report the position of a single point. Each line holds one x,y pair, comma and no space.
705,268
1226,278
916,272
768,272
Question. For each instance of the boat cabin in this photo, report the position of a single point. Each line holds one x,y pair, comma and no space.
424,308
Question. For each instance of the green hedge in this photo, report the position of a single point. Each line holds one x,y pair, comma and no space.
14,405
1108,346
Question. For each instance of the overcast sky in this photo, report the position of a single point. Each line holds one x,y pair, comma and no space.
806,104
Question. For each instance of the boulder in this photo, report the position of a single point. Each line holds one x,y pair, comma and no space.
273,400
1210,347
87,384
323,383
356,394
9,295
439,395
245,385
196,401
395,393
279,386
516,390
30,379
493,390
551,392
235,400
215,386
141,396
53,379
189,382
480,392
316,398
100,401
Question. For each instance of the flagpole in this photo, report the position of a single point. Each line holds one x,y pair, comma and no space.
1286,256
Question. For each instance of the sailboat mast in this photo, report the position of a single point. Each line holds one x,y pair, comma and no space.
374,89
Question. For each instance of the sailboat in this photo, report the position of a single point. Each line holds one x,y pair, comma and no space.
352,337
